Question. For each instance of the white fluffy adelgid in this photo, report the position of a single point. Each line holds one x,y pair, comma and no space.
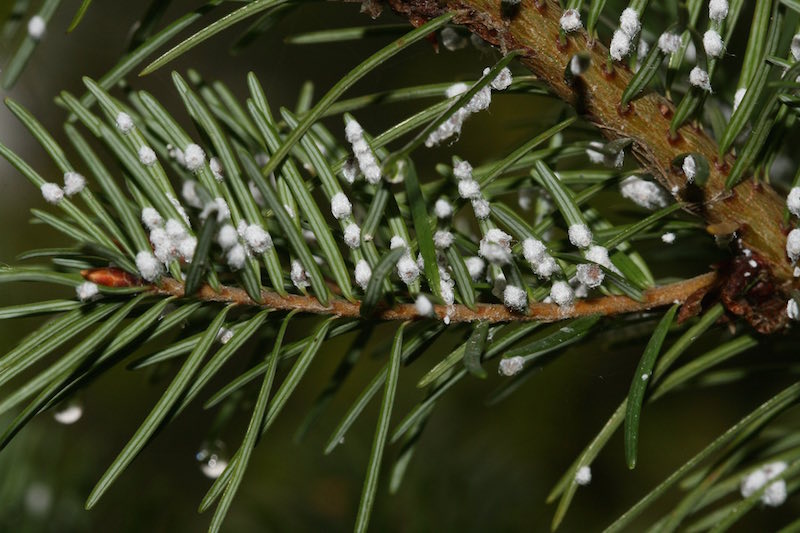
495,247
151,218
775,494
629,22
73,183
363,274
475,266
124,122
580,235
298,275
699,78
352,235
258,240
442,208
712,42
793,244
535,253
462,170
52,193
643,193
562,294
502,81
668,238
794,47
510,366
793,201
190,195
571,20
590,275
423,305
149,267
481,208
407,269
718,10
620,45
86,291
236,257
689,168
669,43
341,206
36,27
792,309
515,298
218,205
227,237
216,168
147,156
595,155
443,239
583,476
469,188
194,157
224,335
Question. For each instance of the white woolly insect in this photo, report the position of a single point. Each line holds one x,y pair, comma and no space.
480,101
341,206
236,257
407,269
194,157
456,89
227,237
718,10
629,22
86,291
571,20
795,47
583,476
187,247
52,193
590,275
580,235
442,208
793,201
793,244
352,235
481,208
176,154
515,298
147,156
712,42
562,294
124,122
189,194
643,193
511,366
546,267
475,266
423,305
443,239
738,97
668,238
596,156
469,188
792,309
175,230
699,78
73,183
36,27
363,274
775,494
397,242
462,170
151,218
669,42
147,264
350,171
620,45
495,247
502,81
216,168
162,245
258,240
689,168
224,335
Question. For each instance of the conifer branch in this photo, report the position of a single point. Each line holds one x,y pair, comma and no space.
752,210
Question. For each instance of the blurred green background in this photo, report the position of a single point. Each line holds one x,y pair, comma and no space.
477,468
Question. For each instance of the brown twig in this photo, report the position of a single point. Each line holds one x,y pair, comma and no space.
607,305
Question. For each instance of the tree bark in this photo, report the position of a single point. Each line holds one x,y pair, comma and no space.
753,210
